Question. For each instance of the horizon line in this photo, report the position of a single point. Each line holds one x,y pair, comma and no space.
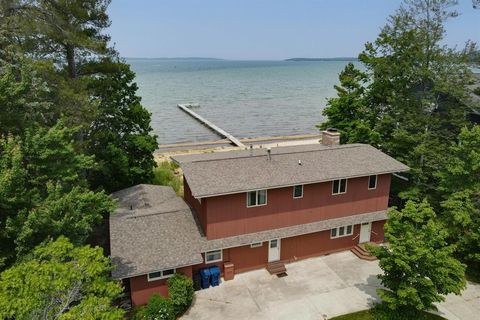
241,59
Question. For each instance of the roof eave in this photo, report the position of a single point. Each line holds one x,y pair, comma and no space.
143,273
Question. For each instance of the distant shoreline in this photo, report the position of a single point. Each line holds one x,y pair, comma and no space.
168,59
220,59
323,59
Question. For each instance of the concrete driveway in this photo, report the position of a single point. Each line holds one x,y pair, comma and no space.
317,288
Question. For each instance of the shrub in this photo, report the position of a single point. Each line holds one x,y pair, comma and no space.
164,175
180,291
477,91
159,308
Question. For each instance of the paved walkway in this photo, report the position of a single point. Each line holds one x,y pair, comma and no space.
317,288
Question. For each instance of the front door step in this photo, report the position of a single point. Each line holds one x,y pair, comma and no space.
360,251
276,267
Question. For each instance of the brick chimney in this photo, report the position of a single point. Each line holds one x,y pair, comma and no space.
330,137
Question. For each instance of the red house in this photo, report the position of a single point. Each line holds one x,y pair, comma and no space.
251,209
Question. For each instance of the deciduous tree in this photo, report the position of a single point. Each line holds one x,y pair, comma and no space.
43,194
60,281
418,264
460,185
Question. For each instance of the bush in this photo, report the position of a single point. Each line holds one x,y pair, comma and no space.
159,308
164,175
180,291
477,91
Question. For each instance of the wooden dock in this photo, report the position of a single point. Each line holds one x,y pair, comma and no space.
218,130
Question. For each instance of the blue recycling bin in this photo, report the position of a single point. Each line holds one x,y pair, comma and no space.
214,276
205,275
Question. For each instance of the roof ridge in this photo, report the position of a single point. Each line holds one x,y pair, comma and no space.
345,146
134,216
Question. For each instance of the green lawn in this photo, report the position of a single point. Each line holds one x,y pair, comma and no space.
367,315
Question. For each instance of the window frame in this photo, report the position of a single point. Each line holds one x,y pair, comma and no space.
376,182
210,252
300,196
345,231
334,193
162,276
256,198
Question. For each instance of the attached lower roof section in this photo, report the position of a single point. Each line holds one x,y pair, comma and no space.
153,229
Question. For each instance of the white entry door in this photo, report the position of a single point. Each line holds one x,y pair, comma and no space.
274,250
365,231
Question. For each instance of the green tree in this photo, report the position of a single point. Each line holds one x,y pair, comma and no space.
120,136
460,184
66,45
74,214
413,95
60,281
418,265
349,112
69,32
43,194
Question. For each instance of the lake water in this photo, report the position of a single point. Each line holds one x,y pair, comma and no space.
246,98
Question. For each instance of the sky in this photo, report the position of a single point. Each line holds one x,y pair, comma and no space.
261,29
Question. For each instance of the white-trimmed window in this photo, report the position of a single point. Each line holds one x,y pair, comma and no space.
162,274
339,186
372,182
213,256
256,244
298,191
341,232
256,198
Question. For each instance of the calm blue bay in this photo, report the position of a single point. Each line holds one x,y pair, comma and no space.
246,98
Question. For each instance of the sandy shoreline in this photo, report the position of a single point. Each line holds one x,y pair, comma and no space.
167,150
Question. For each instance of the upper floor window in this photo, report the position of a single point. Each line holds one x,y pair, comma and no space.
341,231
256,198
298,191
372,182
167,273
213,256
339,186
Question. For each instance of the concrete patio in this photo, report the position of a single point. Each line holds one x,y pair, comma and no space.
317,288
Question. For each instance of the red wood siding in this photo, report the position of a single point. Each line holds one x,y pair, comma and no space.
314,244
200,207
141,289
228,215
245,258
378,234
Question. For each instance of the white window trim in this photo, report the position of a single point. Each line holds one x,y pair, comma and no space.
294,191
213,261
162,276
339,183
376,182
256,197
256,245
344,235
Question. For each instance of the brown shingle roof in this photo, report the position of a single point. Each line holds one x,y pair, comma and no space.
159,233
233,172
